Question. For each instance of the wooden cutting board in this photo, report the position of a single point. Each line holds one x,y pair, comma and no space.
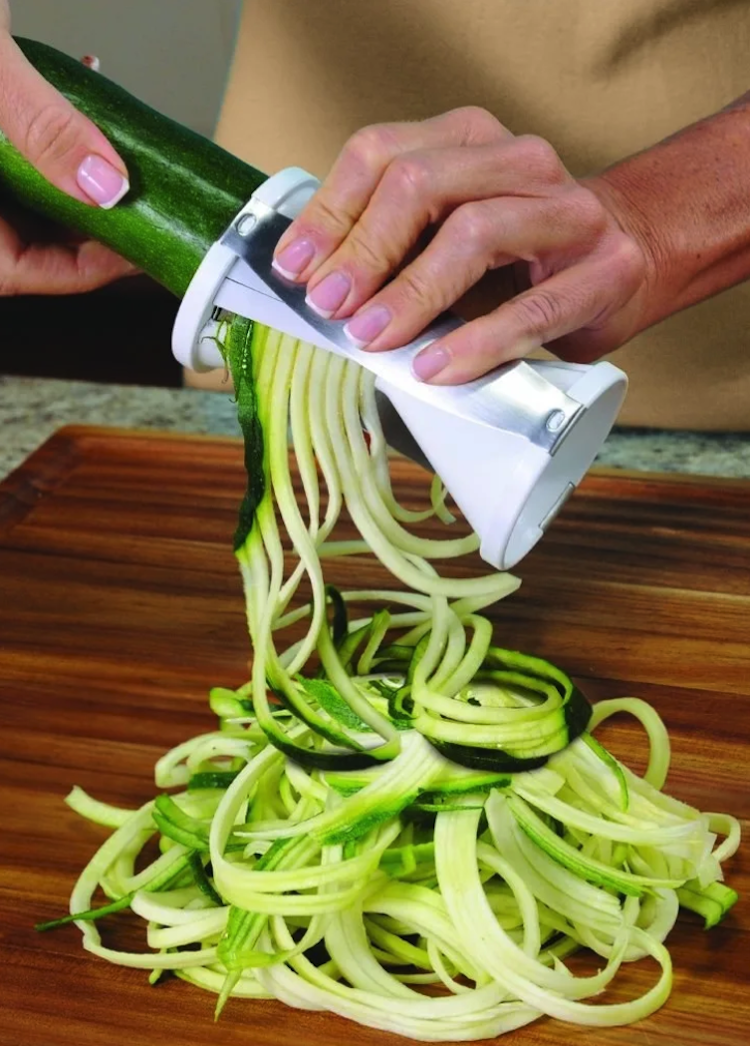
120,606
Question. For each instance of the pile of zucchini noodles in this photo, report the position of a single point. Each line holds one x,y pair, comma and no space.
320,847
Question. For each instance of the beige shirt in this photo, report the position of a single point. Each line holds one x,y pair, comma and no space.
599,79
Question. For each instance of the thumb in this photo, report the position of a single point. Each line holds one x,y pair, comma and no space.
54,136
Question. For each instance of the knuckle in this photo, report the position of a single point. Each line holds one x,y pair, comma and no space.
409,176
539,311
366,252
370,146
51,134
329,214
416,288
470,225
479,123
540,157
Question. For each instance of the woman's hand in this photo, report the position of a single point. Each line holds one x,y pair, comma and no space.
72,154
443,204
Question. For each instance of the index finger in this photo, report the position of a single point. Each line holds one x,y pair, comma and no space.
337,206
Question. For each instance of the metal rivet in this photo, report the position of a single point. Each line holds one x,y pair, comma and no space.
555,420
246,224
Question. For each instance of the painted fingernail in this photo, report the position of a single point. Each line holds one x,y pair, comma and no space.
102,183
294,258
365,327
430,362
329,294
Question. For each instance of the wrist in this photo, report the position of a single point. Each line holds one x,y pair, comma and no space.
627,196
685,202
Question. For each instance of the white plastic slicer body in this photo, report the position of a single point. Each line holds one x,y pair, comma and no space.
510,447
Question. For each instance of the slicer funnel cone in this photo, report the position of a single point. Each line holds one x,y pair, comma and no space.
508,487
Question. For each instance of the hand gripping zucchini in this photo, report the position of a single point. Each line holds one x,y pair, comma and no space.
184,190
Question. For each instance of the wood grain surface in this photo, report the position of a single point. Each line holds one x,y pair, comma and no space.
120,606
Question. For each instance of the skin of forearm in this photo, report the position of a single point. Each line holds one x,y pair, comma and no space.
687,202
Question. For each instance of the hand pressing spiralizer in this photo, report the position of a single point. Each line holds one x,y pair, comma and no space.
510,446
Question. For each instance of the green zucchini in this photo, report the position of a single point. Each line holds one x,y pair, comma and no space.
211,779
712,901
184,190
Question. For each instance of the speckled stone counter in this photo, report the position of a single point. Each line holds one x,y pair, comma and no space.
31,409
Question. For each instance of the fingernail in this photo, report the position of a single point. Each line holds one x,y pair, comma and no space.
365,327
329,294
430,362
102,182
294,258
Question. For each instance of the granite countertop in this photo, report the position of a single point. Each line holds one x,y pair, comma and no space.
31,409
